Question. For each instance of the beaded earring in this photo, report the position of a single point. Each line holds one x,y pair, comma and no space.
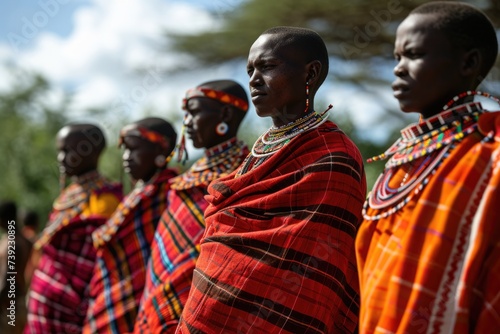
307,96
170,156
160,161
181,147
221,128
62,181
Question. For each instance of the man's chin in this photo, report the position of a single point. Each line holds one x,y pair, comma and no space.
264,112
196,144
407,107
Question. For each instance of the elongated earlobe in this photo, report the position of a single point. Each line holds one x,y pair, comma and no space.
471,67
472,62
313,71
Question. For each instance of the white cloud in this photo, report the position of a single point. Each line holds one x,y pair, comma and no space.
111,39
98,90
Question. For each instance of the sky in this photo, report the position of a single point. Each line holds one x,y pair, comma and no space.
113,53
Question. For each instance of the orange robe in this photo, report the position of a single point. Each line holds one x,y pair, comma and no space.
433,266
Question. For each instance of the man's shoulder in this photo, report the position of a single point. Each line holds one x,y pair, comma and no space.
338,142
109,187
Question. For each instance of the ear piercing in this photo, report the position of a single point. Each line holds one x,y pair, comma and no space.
160,161
221,128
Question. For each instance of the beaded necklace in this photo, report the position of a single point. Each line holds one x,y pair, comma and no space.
276,138
78,191
420,139
72,201
218,161
424,145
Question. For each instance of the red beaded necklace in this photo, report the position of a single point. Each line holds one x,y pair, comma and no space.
423,146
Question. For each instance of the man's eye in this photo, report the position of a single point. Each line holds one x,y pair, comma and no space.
413,54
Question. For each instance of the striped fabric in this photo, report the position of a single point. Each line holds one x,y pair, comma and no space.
278,251
58,298
123,248
434,266
176,246
174,254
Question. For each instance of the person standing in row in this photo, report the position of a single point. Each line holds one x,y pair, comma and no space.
58,296
214,111
428,250
123,243
278,251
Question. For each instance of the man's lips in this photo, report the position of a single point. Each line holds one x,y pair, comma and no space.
257,93
399,88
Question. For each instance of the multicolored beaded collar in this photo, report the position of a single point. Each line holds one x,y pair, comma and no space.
418,140
72,201
275,138
218,161
421,150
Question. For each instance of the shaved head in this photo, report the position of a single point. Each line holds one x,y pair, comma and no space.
307,42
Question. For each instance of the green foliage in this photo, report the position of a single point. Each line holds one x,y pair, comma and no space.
27,131
368,148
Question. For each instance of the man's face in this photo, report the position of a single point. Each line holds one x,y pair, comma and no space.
202,116
277,80
75,153
139,157
428,69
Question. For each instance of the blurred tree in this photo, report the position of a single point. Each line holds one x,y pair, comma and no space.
353,30
28,126
29,123
27,131
359,35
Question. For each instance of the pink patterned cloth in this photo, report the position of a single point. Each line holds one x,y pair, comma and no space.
58,298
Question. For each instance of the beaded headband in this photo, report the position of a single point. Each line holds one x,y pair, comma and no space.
142,132
214,95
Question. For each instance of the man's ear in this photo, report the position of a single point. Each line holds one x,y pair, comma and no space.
313,71
227,113
471,62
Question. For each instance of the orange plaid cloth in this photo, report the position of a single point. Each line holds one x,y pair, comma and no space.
434,266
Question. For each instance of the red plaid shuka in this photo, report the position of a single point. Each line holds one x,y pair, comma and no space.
123,248
175,248
278,251
58,298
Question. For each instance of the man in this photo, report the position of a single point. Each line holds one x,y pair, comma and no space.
58,298
428,250
123,243
278,251
214,111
